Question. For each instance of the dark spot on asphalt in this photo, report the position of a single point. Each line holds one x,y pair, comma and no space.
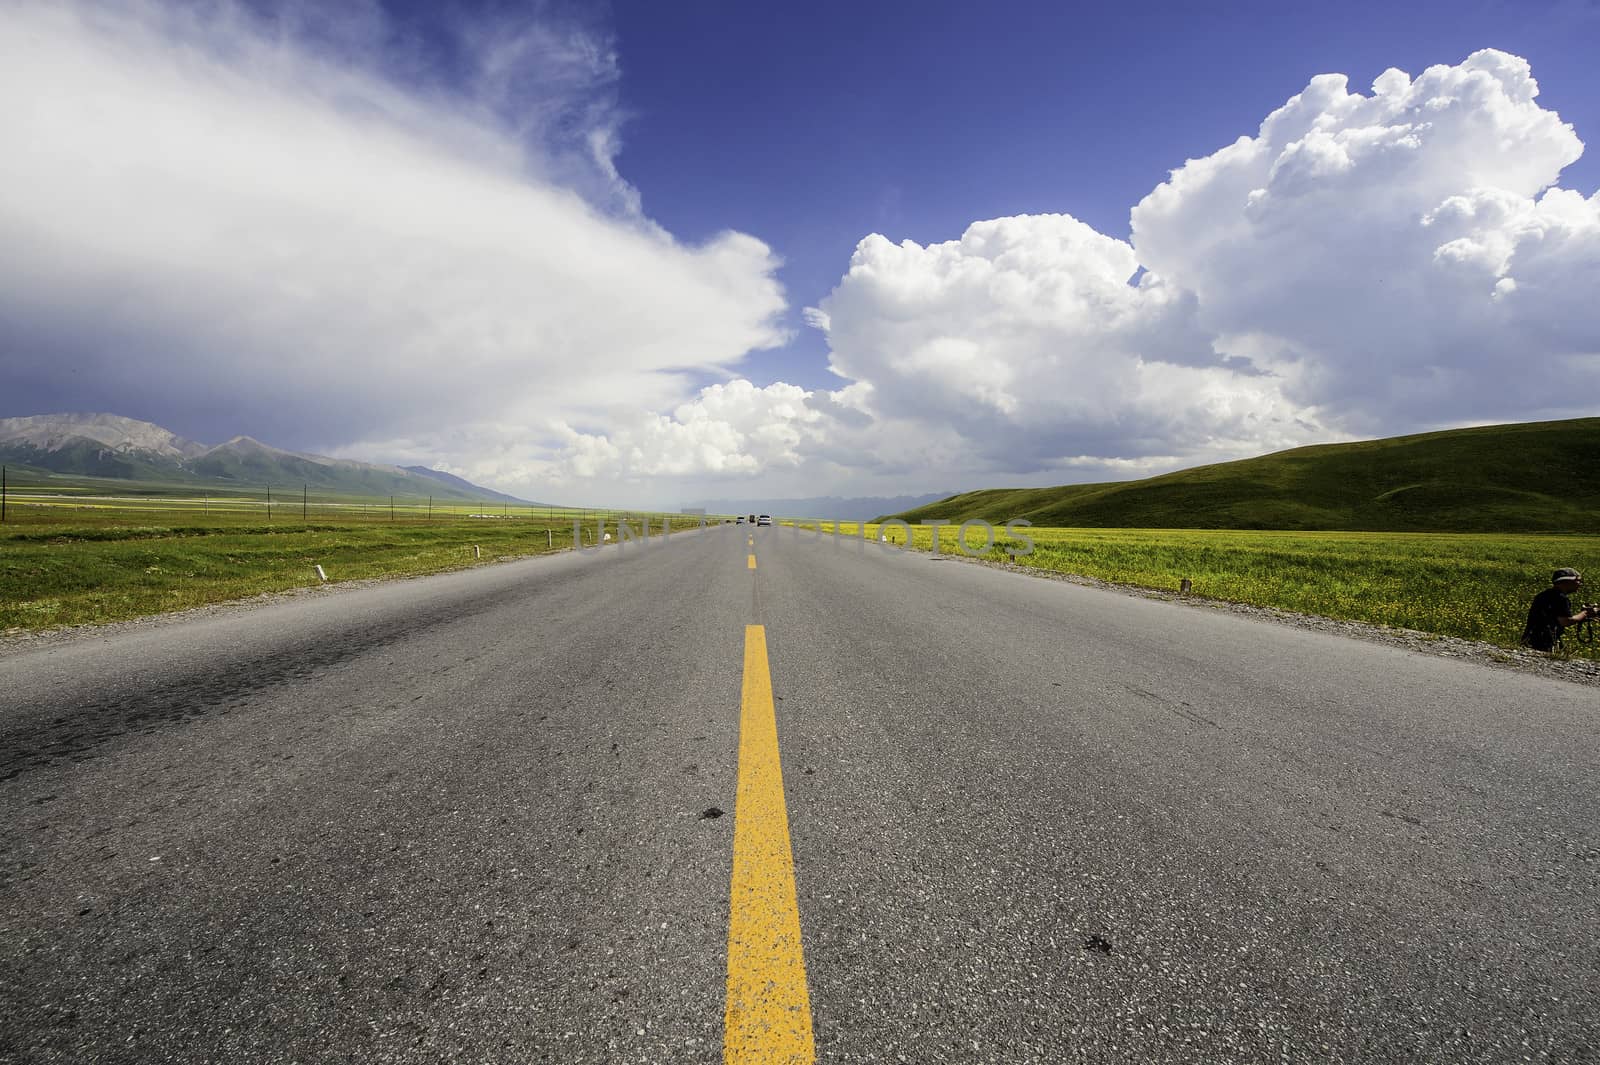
1098,944
711,813
275,861
810,770
86,911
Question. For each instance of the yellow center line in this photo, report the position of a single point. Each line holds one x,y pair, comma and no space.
752,561
768,1017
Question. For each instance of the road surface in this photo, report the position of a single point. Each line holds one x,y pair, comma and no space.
965,816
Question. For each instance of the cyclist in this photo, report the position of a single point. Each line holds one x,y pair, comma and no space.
1551,611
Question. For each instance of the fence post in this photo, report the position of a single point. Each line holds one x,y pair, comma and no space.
2,493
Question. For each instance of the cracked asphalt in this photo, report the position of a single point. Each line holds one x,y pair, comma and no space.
464,819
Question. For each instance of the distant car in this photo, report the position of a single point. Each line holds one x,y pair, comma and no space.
765,519
739,520
752,519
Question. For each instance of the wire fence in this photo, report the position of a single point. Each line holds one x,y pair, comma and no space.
32,501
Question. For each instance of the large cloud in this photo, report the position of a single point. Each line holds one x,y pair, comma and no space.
1365,264
1399,258
203,213
1025,341
733,428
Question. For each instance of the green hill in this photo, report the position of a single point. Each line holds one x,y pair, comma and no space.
1532,477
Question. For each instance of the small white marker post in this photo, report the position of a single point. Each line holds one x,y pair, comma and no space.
477,552
321,576
1185,585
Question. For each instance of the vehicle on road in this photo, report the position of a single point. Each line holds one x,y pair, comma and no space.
765,519
739,520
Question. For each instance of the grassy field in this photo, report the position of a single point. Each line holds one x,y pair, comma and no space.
107,559
114,560
1475,586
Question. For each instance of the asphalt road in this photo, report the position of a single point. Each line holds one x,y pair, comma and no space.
464,819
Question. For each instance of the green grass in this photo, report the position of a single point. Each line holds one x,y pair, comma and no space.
62,565
1533,477
1475,586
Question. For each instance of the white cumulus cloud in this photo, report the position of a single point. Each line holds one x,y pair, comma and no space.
1402,258
732,428
1365,264
1025,343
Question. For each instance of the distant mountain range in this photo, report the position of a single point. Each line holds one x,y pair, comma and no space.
1524,477
860,508
108,445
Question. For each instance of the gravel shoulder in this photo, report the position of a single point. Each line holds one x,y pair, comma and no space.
1576,670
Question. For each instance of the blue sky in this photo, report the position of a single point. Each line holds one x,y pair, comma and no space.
608,252
811,125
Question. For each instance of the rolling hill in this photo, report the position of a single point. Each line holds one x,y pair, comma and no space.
1531,477
109,446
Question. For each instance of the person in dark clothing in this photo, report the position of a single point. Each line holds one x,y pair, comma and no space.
1551,611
